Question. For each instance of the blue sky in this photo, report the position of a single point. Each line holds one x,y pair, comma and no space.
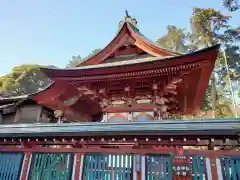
49,32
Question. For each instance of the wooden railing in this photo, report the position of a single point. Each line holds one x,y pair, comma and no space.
128,164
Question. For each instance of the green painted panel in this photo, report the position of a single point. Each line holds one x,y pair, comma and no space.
231,168
198,168
10,165
159,167
166,167
107,167
51,166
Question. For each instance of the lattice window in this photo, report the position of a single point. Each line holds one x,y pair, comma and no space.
107,166
11,165
51,166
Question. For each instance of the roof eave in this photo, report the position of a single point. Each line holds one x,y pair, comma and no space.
165,62
169,127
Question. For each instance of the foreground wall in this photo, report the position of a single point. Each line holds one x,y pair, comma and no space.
125,164
167,150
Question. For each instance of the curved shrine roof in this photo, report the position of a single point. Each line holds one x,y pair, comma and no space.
198,65
149,62
126,32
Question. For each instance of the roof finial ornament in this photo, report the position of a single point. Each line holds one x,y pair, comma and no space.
126,12
129,19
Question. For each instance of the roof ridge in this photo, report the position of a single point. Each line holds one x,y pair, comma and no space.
136,30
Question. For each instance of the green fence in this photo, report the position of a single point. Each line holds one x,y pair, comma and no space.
230,168
199,168
175,167
159,167
100,166
51,166
105,166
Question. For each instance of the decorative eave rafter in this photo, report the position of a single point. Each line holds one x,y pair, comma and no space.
205,55
133,74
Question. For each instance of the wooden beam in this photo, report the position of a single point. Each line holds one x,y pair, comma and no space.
123,141
113,73
1,117
78,166
17,114
136,108
40,111
138,151
185,99
26,165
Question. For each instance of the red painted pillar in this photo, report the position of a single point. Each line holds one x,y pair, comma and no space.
139,175
25,165
213,167
77,166
112,174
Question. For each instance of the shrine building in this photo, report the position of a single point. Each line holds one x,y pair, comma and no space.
123,101
131,79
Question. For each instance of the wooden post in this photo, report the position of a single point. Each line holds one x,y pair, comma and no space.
130,116
213,164
138,167
134,168
112,174
143,167
208,168
105,117
26,166
78,166
40,110
1,117
219,169
139,175
16,118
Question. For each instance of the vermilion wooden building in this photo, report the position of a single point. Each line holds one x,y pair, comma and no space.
124,95
131,79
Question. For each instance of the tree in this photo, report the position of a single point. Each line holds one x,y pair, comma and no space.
223,106
232,56
206,25
25,79
76,60
231,5
174,40
28,78
230,67
233,50
94,52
